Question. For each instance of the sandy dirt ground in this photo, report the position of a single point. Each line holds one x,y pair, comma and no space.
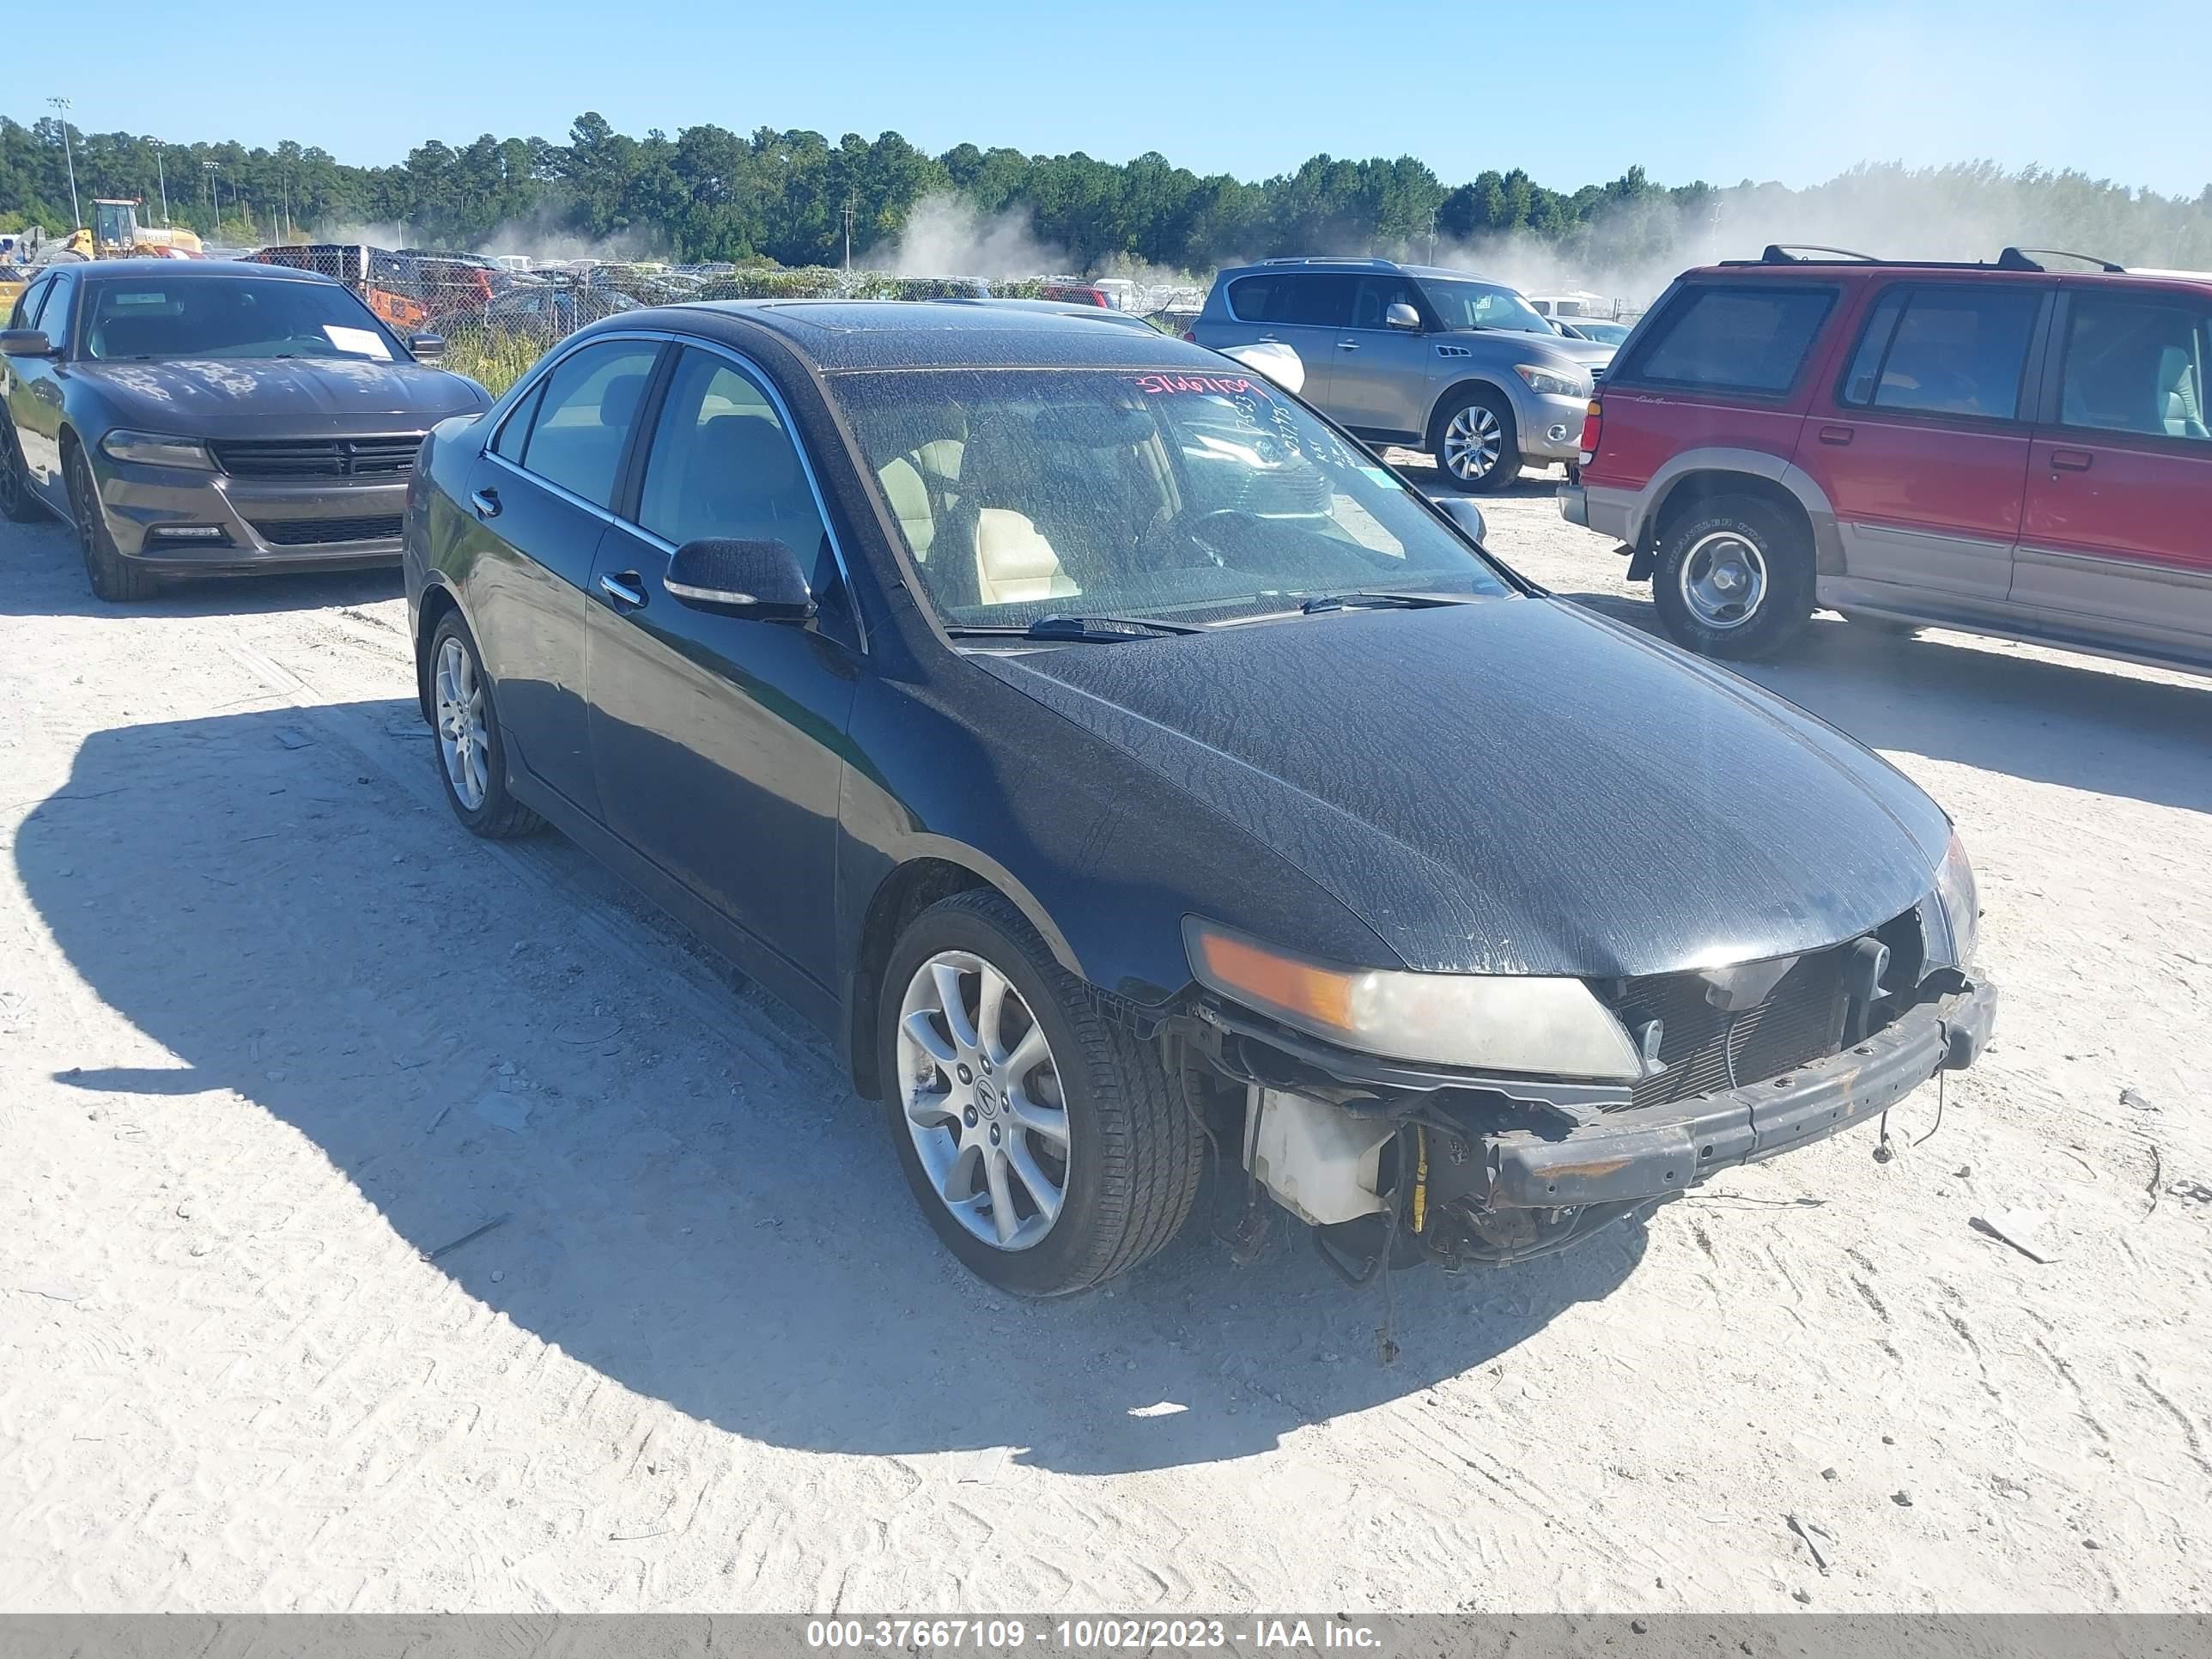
279,1043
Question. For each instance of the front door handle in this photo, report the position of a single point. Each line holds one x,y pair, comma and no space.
486,503
2071,460
625,588
1347,345
1837,435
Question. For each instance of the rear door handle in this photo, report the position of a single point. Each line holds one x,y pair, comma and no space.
1838,435
2071,460
1347,345
625,588
486,503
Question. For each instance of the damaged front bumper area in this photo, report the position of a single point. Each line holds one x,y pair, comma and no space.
1659,1151
1388,1159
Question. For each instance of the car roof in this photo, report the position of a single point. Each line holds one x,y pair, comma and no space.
1348,265
837,335
199,269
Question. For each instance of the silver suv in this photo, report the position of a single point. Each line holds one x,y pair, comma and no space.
1434,359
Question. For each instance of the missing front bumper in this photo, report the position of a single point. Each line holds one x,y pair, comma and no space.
1658,1151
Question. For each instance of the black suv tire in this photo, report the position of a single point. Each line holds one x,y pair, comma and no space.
1734,553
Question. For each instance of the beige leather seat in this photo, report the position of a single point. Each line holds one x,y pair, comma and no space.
909,495
1014,564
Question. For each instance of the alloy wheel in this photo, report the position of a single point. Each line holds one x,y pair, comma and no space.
84,507
1723,579
982,1100
1472,441
12,482
463,739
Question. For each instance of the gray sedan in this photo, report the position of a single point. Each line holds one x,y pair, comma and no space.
211,418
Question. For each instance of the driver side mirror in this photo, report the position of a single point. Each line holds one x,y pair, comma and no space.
426,348
25,342
1401,315
1467,515
761,580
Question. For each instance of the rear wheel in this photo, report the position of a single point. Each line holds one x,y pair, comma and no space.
113,578
17,503
1048,1149
471,751
1476,447
1735,580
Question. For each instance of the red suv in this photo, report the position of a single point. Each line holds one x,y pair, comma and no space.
2001,448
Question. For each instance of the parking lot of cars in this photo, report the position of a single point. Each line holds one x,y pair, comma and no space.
399,1221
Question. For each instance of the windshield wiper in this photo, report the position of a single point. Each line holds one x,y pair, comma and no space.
1367,601
1093,630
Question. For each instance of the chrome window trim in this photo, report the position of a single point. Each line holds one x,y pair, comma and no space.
766,386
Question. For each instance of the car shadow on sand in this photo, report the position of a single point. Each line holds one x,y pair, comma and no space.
51,583
685,1196
2082,723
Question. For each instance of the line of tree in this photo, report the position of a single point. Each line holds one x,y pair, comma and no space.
709,193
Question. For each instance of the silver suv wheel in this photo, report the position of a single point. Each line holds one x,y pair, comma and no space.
1473,440
982,1101
1723,581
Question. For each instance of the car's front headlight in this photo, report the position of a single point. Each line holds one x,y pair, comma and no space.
156,449
1492,1022
1961,900
1552,382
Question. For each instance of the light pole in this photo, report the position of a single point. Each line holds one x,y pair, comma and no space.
851,207
211,171
61,107
162,174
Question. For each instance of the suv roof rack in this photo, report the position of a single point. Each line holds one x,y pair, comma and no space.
1793,253
1323,259
2021,259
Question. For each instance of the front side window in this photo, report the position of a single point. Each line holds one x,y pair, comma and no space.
1372,302
54,314
2136,365
26,313
722,466
585,415
1175,494
1735,339
208,317
1463,304
1947,349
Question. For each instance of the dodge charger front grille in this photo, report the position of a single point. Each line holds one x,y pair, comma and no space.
1706,1050
316,532
318,458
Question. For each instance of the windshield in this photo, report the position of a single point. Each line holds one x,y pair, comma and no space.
1590,328
244,316
1482,305
1024,493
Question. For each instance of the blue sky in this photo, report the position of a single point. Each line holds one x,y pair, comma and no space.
1721,90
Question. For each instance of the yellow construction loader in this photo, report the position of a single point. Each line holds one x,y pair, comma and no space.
116,234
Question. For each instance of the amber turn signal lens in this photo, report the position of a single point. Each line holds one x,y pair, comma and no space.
1277,982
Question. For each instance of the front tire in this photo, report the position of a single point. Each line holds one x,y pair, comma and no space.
1048,1148
1476,447
471,748
113,577
19,503
1734,579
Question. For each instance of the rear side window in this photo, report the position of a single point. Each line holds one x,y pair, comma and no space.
1947,349
585,415
1318,300
2136,365
1735,339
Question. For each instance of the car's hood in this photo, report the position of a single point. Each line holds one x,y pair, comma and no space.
1516,786
1590,354
238,398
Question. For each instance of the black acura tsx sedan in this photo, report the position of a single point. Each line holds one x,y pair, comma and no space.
1124,769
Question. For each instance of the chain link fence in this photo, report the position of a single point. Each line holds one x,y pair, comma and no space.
497,321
